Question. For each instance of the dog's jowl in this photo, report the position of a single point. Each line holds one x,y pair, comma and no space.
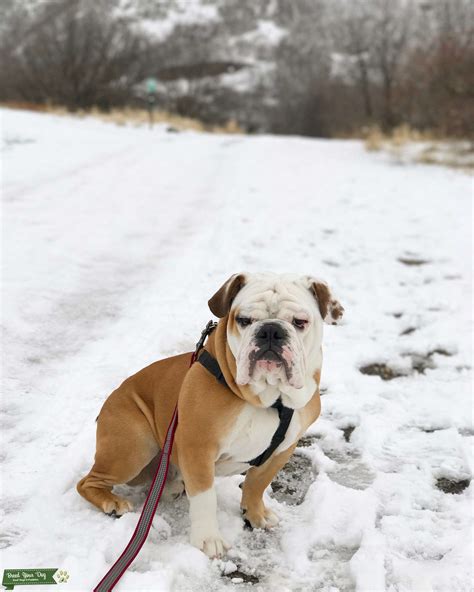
242,406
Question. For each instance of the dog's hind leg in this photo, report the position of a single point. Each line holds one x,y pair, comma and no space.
125,445
174,486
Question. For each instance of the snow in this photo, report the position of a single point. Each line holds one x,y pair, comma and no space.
266,33
187,12
247,78
114,239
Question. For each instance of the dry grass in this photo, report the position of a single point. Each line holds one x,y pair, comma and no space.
405,144
135,117
456,155
130,116
374,139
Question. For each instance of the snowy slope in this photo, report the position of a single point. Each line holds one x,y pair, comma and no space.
114,240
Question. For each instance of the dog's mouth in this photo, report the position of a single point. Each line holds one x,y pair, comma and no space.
278,364
267,360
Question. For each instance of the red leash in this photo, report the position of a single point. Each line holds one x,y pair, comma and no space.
108,582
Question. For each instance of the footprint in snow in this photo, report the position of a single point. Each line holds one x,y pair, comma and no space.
293,481
413,261
408,331
351,471
9,537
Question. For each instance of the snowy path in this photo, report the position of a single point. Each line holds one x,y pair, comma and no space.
114,239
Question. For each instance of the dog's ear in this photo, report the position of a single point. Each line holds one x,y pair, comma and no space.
330,308
221,302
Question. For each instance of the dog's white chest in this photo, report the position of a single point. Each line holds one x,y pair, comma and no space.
251,435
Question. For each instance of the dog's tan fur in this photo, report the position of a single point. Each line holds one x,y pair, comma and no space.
133,422
132,425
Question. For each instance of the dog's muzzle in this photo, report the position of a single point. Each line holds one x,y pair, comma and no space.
269,341
271,353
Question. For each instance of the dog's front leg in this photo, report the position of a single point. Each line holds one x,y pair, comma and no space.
197,466
205,533
256,481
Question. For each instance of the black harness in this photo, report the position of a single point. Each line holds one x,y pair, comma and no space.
284,413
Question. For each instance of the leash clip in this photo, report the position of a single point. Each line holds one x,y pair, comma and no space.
208,329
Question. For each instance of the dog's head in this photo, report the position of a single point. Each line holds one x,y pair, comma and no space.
274,331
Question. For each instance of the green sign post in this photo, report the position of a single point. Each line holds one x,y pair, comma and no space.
151,85
151,89
34,577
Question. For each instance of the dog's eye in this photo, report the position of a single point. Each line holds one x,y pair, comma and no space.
300,323
244,321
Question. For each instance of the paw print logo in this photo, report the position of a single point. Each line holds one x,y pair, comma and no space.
62,576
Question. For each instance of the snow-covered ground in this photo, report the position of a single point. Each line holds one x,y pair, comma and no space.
114,239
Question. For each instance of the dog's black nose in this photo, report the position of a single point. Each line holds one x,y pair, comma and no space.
270,333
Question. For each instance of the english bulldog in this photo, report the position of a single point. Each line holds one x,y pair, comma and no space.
242,410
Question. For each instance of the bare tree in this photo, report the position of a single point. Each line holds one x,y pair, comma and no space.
302,70
375,37
311,67
391,32
351,29
74,53
440,75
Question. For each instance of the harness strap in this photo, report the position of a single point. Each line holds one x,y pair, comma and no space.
284,413
211,365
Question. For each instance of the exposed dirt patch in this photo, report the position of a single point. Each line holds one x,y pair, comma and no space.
408,331
440,351
413,261
419,363
348,432
292,482
307,441
382,370
449,486
330,263
240,577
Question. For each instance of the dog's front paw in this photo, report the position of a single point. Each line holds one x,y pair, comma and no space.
212,545
260,518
